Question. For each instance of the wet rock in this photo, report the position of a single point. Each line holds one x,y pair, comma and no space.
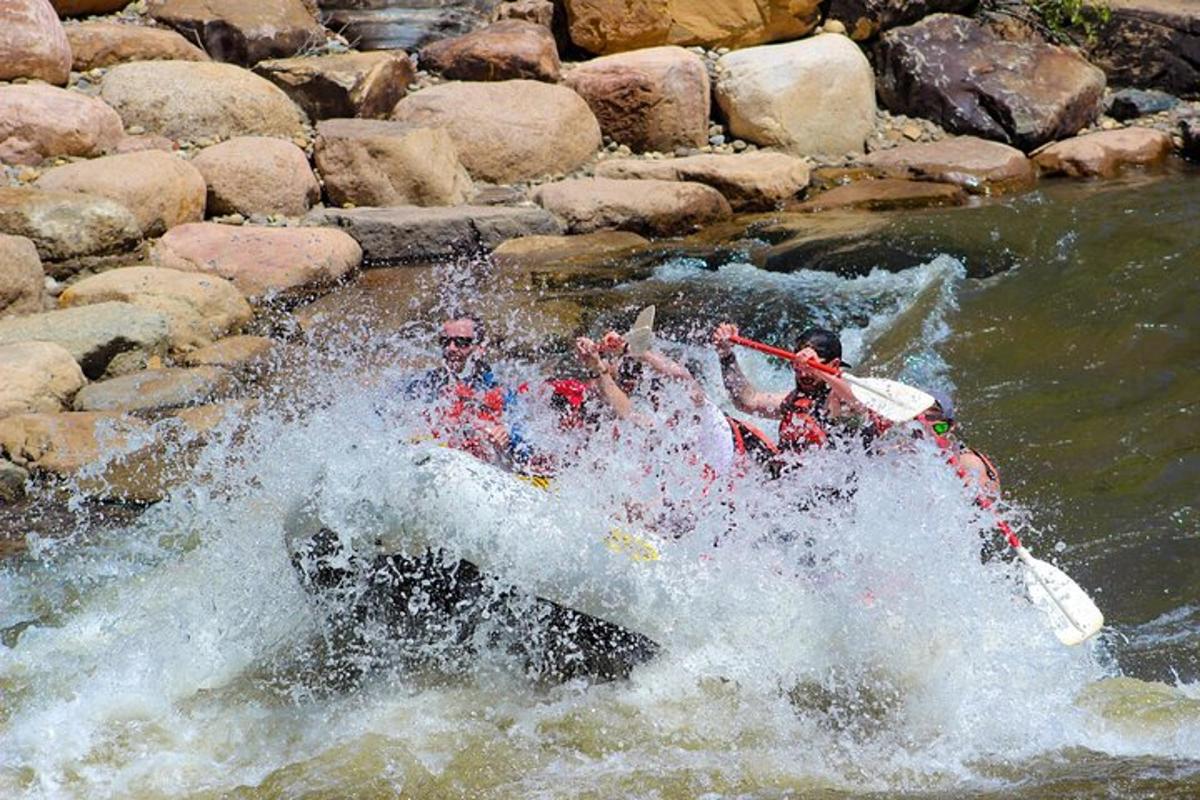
1150,44
262,262
65,443
66,225
39,122
12,482
509,130
32,42
404,24
886,194
651,100
502,51
38,377
1189,129
653,208
186,100
232,352
598,259
979,166
79,8
602,27
154,389
342,85
412,233
257,175
1132,103
102,44
866,19
370,162
104,339
240,32
162,190
807,97
198,308
1104,153
963,76
750,182
22,282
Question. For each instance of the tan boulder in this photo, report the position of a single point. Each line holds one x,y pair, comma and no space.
539,11
154,389
38,377
978,165
502,51
188,100
373,162
239,31
79,8
653,208
886,194
161,189
140,142
750,181
585,260
232,352
104,339
67,225
22,281
198,308
68,442
509,130
39,122
262,262
32,42
814,96
102,44
1104,153
344,84
257,175
653,99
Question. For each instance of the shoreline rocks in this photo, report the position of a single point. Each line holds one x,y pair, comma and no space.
1104,153
250,175
103,44
343,84
648,207
240,32
68,225
505,50
39,377
32,42
111,338
750,182
39,122
978,165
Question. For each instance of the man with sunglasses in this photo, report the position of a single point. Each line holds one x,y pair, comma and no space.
976,469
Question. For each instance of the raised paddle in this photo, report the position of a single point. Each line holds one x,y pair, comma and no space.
889,399
641,336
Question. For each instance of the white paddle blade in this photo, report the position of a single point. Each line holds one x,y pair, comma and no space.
641,336
889,399
1072,614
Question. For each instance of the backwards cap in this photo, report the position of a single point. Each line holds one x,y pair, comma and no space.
825,342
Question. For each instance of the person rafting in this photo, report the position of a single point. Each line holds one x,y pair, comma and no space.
975,468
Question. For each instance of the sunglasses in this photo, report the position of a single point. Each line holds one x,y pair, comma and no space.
941,427
458,341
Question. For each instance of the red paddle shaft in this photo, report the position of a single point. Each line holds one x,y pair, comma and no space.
779,352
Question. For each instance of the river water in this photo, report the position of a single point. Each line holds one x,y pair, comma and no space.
853,647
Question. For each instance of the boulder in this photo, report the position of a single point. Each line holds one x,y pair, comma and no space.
373,162
38,377
161,189
539,11
79,8
540,250
66,443
979,166
102,44
885,194
262,262
154,389
257,175
866,19
187,100
140,142
653,208
241,32
750,182
39,122
67,225
12,490
232,352
1104,153
510,130
104,339
1150,44
502,51
22,282
411,233
963,76
32,42
404,24
1133,103
198,308
342,85
604,26
1189,130
808,97
653,99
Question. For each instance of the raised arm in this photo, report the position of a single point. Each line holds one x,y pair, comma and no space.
746,398
589,355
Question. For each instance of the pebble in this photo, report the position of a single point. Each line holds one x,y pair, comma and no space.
739,145
682,151
912,131
716,140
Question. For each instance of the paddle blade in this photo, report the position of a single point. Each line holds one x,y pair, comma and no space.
641,336
1071,613
889,399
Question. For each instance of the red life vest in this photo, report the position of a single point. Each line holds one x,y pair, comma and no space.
799,426
463,412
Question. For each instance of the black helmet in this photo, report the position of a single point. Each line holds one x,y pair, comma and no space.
825,342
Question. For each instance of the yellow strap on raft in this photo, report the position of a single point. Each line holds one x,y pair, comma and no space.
638,548
537,481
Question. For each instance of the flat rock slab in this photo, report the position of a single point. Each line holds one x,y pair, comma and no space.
104,339
242,32
257,175
505,50
652,208
39,122
232,352
154,389
38,377
342,85
749,181
602,258
412,233
102,44
1104,153
66,225
886,194
22,281
262,262
32,42
979,166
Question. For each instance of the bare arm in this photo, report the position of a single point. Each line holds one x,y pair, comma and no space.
622,406
746,398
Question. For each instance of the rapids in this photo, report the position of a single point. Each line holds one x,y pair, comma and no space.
857,648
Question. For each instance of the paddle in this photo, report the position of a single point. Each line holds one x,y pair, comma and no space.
889,399
641,336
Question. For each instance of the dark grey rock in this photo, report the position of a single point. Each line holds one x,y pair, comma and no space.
866,19
1151,44
1190,128
1133,103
